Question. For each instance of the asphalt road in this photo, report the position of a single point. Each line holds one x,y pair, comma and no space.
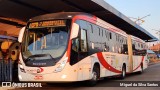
152,73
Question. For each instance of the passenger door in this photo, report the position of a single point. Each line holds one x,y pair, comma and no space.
83,53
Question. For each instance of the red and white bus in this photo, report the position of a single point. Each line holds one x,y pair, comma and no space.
75,46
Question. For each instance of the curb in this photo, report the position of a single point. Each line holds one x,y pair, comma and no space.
6,88
152,63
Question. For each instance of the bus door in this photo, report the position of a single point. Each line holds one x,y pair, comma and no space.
79,52
83,53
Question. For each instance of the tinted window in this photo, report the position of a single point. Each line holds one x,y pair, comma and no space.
110,34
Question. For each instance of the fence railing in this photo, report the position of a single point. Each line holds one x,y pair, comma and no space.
5,70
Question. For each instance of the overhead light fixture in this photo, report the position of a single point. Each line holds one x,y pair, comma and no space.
69,16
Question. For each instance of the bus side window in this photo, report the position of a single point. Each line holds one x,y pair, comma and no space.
110,35
125,49
134,49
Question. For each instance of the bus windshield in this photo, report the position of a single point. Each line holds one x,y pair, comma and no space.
44,42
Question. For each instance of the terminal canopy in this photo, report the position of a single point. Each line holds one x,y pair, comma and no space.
25,9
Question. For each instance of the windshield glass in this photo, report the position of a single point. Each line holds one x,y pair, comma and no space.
45,43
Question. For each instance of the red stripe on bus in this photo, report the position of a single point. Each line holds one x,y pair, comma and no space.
139,64
105,64
86,18
69,50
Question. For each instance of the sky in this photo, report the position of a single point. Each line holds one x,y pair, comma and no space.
140,8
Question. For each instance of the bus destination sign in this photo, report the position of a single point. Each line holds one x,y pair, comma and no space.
53,23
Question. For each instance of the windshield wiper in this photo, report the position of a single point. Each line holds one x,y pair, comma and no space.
40,57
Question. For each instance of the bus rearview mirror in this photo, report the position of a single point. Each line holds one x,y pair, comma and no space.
75,30
21,34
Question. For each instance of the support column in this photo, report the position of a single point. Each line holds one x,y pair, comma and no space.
130,53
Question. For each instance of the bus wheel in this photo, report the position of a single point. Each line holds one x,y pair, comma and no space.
95,76
123,74
141,71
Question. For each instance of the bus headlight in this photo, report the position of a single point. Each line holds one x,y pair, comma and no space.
63,76
20,77
62,65
21,68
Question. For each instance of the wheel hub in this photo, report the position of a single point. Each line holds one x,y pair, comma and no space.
123,73
94,76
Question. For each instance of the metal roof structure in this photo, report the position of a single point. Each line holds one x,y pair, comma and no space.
25,9
2,37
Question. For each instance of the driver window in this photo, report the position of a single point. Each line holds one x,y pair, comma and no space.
83,41
31,39
75,45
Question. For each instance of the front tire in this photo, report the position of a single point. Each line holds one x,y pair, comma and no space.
95,76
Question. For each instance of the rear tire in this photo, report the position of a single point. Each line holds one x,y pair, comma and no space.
123,74
95,76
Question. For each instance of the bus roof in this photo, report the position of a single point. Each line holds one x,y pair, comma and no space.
59,15
99,8
70,15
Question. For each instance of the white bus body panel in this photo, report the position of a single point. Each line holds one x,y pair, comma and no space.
48,73
82,70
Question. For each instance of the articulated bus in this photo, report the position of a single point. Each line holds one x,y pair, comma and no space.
75,46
